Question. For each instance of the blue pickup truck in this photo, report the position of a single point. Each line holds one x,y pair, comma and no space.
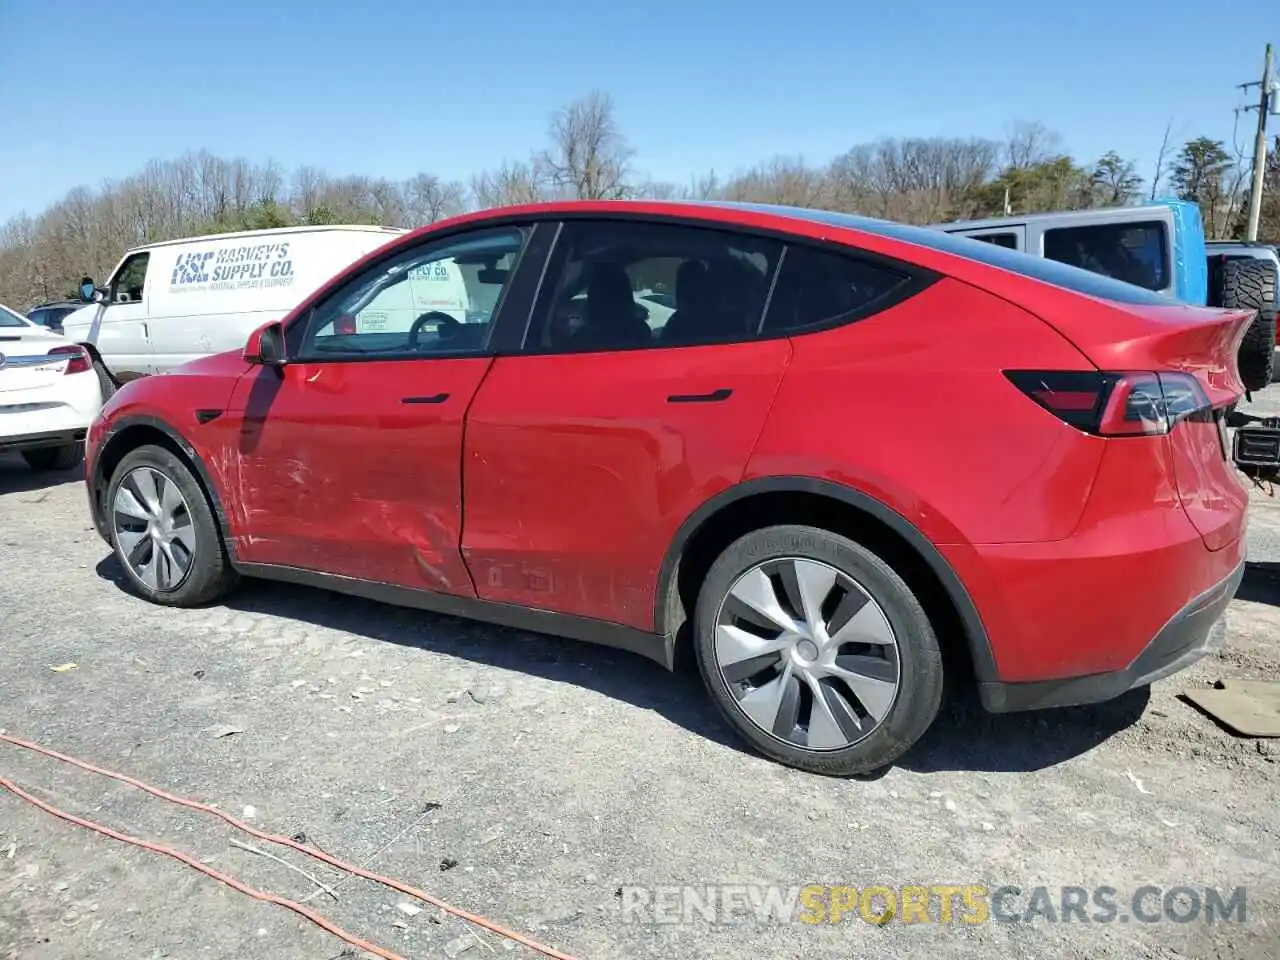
1160,246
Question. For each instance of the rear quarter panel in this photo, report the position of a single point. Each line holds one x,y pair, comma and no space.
910,407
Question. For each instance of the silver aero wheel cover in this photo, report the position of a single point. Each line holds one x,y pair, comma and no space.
153,528
807,653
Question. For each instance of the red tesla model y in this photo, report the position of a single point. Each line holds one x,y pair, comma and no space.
835,456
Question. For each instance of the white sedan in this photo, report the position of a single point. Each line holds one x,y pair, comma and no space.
49,394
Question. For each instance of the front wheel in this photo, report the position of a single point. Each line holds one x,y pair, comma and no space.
164,532
816,651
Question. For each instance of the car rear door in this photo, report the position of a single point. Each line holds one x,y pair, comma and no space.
349,457
587,448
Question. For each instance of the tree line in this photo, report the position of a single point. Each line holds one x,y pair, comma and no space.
587,155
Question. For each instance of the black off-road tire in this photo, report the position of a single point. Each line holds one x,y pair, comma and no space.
66,457
105,380
1250,284
210,575
920,680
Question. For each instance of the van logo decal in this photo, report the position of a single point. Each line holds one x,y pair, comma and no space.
247,267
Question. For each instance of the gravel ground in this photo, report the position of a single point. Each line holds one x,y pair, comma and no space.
563,773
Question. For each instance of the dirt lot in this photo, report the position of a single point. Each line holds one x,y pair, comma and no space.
563,772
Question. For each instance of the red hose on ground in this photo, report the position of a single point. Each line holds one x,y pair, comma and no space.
323,923
270,838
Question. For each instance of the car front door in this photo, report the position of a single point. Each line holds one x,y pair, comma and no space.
119,327
349,455
585,451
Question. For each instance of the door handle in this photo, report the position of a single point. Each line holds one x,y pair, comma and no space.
715,396
434,398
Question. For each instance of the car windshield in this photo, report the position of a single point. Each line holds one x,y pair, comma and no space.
1038,268
10,319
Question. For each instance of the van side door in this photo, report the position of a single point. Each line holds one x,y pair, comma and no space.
120,326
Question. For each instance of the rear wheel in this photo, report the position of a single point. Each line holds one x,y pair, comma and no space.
164,532
65,457
816,651
1250,284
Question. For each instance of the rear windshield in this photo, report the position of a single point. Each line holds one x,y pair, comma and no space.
10,319
1038,268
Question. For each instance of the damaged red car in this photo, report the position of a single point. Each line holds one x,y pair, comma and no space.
836,458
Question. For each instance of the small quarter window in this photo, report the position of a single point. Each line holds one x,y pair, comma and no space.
819,287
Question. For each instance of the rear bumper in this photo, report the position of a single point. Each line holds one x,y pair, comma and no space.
67,408
46,438
1195,630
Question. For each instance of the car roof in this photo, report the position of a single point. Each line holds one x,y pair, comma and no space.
932,248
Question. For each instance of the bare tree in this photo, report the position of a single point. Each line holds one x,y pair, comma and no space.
509,185
1029,143
589,157
428,199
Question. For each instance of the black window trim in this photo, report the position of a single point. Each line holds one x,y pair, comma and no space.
534,237
917,279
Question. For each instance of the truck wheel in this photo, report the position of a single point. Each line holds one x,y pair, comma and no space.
54,458
105,381
1249,284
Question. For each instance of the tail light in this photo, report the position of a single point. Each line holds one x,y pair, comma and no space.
80,362
344,325
1115,404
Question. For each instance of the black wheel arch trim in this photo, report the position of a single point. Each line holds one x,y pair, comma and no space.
976,638
97,480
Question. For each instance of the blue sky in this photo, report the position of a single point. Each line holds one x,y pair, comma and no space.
92,90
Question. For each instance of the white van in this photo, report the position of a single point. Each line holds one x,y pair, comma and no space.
168,303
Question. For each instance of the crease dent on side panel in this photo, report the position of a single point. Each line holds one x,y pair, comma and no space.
768,411
462,477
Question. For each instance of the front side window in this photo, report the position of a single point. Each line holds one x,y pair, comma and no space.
128,284
1133,252
437,299
820,287
623,285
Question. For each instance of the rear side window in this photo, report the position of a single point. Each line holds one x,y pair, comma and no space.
819,287
1136,253
622,285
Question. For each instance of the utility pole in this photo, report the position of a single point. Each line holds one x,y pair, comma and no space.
1259,147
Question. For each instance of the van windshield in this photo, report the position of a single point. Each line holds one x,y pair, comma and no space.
1037,268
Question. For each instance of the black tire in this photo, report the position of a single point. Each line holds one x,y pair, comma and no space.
66,457
1250,284
209,574
105,380
920,671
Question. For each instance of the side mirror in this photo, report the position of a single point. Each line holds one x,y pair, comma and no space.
266,345
87,289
